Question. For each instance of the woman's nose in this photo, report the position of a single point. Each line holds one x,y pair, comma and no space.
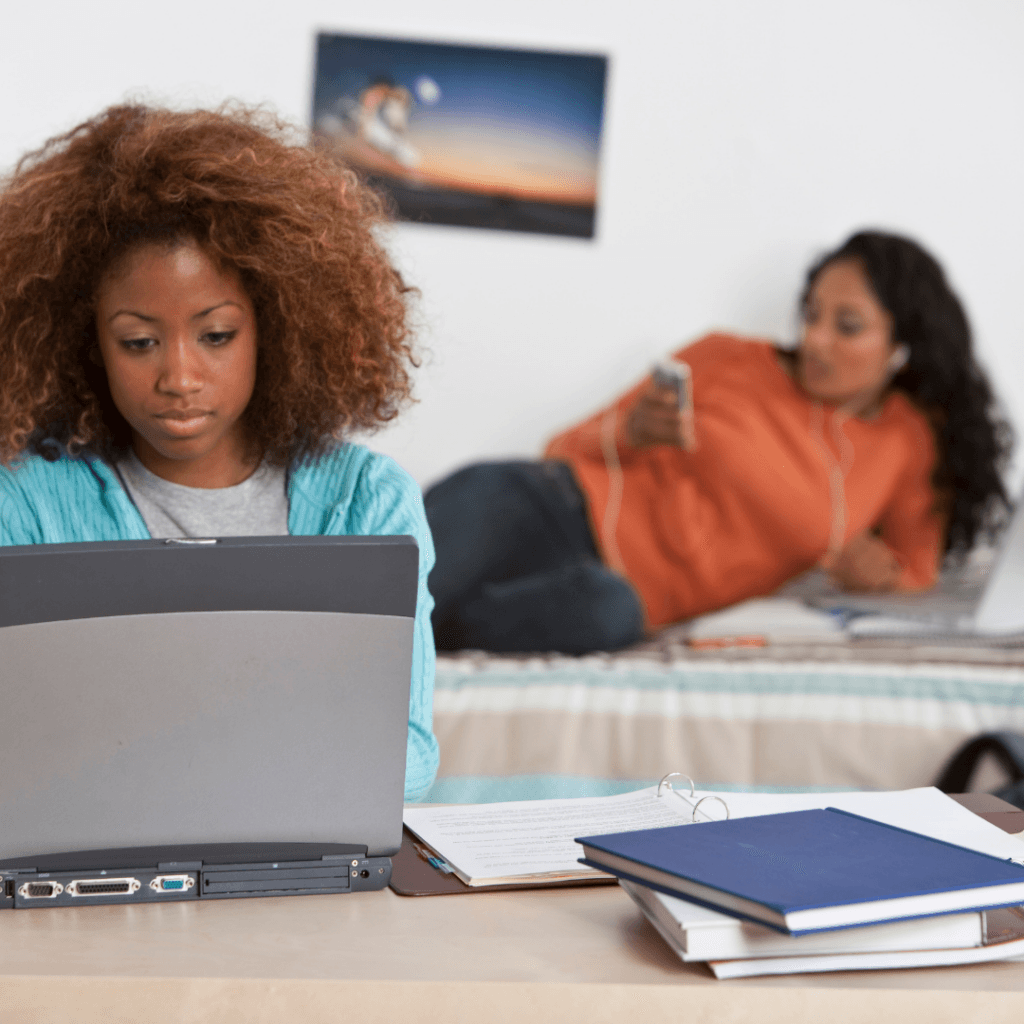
817,339
181,372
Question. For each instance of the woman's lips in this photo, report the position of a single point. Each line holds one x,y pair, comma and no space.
815,369
183,421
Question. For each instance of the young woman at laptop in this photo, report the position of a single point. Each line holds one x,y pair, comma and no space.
194,313
869,450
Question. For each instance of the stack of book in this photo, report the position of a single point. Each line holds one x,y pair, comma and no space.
819,889
895,879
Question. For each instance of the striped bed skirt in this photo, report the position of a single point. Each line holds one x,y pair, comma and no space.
852,716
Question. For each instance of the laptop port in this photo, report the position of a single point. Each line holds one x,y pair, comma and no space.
172,883
40,890
104,886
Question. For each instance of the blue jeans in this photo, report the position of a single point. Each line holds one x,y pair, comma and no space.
517,568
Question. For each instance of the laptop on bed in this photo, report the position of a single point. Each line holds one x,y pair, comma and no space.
987,612
202,719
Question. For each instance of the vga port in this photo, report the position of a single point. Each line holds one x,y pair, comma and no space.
40,890
172,883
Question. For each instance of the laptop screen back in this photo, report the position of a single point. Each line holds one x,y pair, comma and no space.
255,690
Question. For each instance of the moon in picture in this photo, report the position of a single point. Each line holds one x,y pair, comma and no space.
427,90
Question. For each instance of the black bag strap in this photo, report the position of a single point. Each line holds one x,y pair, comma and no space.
1006,747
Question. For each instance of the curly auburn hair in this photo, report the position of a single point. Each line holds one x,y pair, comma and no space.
334,348
941,376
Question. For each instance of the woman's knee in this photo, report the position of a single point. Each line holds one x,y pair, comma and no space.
475,485
574,609
615,611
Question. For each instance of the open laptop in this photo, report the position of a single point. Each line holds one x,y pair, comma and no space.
202,719
991,610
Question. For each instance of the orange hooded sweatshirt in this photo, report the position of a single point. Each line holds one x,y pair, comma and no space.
753,505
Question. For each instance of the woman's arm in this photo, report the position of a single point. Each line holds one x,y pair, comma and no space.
904,551
590,439
383,500
913,526
644,416
866,564
400,511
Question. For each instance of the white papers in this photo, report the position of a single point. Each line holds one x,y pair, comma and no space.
489,844
887,625
926,810
777,619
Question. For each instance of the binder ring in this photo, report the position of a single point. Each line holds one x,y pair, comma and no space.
710,797
675,775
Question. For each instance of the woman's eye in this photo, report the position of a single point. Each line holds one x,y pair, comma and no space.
137,344
849,327
219,337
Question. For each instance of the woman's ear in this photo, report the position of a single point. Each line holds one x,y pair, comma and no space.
899,358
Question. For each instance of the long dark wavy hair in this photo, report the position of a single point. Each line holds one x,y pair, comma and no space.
941,377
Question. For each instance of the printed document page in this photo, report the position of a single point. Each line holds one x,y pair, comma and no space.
490,844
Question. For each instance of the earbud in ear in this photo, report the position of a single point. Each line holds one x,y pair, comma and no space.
899,358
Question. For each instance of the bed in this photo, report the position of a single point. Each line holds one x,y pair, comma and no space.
850,715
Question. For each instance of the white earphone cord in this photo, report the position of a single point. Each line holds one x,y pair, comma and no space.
610,524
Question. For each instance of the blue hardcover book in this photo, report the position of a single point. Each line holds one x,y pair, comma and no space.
807,871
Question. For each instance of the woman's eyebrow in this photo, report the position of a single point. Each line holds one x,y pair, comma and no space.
131,312
207,312
153,319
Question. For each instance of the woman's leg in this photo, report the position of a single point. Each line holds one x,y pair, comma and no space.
506,535
575,609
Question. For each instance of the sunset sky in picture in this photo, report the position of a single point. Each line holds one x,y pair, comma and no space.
506,121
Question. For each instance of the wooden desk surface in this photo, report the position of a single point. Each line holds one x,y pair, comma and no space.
532,956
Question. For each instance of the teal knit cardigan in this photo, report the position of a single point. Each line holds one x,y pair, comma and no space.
350,490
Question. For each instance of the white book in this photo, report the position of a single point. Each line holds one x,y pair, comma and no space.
1011,948
699,933
775,620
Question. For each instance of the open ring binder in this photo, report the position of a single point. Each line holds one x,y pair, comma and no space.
668,785
696,806
665,786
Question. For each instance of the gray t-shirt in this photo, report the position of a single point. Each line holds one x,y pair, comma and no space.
257,507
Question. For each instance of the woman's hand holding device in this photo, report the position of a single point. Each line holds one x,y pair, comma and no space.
663,414
866,564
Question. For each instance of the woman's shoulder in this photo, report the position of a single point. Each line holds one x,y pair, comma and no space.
727,362
349,470
58,499
34,474
902,416
351,485
720,347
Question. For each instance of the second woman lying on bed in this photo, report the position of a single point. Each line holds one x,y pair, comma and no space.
869,451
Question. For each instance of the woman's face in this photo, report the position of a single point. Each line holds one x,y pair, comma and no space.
177,336
847,346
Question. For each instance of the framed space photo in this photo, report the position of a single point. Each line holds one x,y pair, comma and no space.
475,136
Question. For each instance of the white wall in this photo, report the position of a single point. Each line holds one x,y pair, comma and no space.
741,139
